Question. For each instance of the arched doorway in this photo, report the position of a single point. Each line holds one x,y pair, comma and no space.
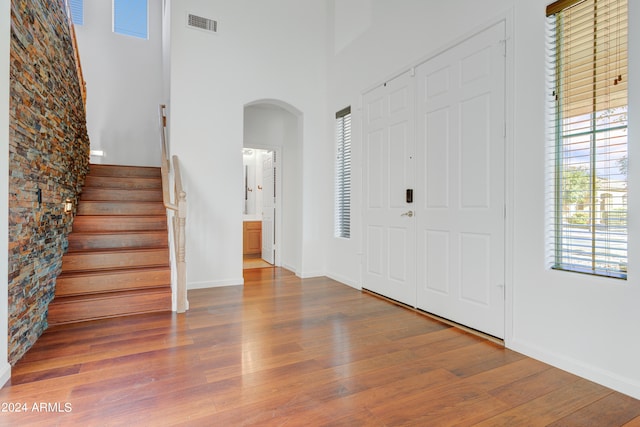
273,133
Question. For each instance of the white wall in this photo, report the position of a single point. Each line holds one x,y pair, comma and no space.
583,324
5,35
263,50
124,78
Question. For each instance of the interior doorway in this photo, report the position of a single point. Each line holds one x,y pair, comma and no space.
261,207
272,124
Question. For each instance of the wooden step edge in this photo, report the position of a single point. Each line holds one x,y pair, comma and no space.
114,294
122,218
128,202
122,233
110,251
98,293
117,171
54,323
114,271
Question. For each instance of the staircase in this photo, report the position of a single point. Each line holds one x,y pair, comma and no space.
117,263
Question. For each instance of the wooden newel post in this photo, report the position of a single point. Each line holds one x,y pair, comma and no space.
181,252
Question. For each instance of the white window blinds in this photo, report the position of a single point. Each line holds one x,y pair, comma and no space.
587,186
342,213
77,11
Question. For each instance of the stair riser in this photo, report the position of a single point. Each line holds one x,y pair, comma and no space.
104,307
81,241
105,194
110,282
120,208
124,171
122,183
89,223
117,263
84,261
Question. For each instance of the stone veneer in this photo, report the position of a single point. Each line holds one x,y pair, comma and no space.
48,155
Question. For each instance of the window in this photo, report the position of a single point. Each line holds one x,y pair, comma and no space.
77,11
130,18
587,46
342,216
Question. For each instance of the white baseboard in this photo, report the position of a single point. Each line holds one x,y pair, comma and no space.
5,374
577,367
310,274
215,283
291,268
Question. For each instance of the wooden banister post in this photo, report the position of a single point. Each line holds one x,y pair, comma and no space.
181,253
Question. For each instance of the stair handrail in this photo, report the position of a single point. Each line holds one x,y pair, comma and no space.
76,54
179,216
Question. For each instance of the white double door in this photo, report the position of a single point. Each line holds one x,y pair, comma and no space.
438,130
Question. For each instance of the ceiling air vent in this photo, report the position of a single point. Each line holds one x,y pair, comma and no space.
205,24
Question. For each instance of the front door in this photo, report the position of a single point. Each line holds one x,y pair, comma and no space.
389,225
461,171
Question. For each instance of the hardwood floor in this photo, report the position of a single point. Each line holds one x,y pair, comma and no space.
284,351
250,262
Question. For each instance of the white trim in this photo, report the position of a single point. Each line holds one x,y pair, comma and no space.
509,196
577,367
215,284
310,274
291,268
5,37
5,374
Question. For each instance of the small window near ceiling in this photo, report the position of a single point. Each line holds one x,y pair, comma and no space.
587,134
342,216
130,18
77,11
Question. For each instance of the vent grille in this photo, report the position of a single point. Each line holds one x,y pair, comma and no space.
201,23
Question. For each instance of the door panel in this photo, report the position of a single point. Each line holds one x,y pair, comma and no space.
388,143
460,215
268,207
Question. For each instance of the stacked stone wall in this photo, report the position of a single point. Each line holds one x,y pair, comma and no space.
48,160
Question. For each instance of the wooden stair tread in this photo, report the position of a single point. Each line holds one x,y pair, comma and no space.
113,182
87,223
120,194
124,171
96,240
107,251
66,274
81,308
127,208
117,261
112,295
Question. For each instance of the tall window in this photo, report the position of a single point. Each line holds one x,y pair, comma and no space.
342,216
130,18
77,11
587,45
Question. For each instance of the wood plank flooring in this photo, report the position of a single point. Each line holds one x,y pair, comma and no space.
250,262
281,351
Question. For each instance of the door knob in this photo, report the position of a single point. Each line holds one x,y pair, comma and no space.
408,213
